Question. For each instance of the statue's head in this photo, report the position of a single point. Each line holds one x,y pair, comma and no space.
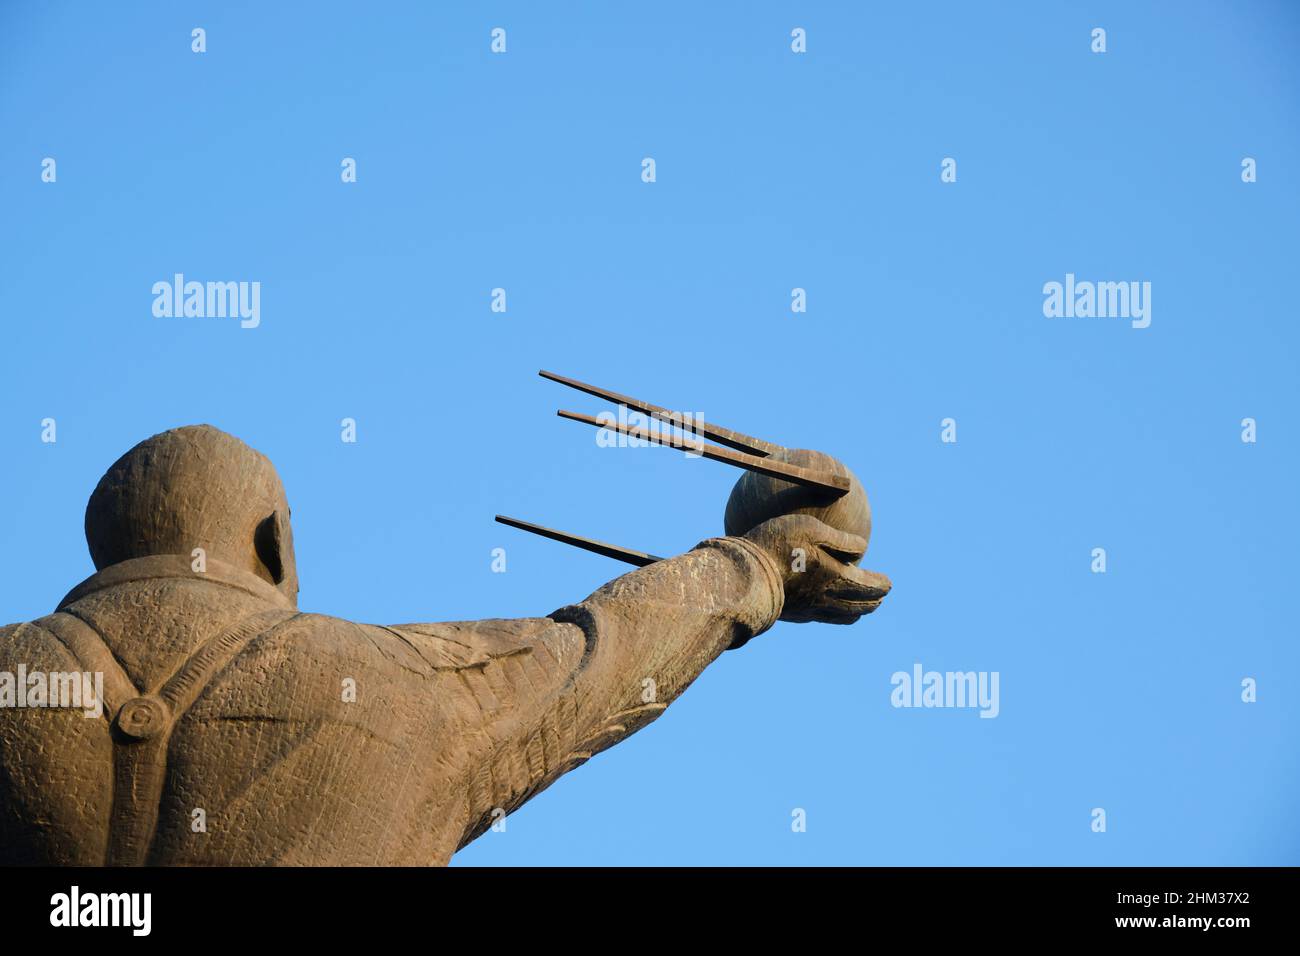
194,487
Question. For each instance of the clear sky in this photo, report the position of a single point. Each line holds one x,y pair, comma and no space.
774,171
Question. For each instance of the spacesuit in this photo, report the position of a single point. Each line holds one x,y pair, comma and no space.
238,730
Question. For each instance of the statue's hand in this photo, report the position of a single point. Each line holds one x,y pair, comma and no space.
819,568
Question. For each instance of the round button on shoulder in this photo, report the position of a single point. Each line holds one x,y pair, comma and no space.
142,717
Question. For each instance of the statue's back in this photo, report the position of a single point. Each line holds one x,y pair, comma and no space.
235,731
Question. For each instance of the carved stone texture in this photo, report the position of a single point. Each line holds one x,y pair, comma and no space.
238,730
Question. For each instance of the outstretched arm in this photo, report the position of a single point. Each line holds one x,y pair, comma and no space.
608,666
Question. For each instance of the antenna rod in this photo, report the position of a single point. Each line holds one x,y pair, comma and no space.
639,558
724,436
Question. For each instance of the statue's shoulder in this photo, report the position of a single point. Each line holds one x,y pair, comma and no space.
442,646
453,645
8,638
18,641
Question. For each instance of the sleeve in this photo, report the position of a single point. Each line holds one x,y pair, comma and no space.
608,666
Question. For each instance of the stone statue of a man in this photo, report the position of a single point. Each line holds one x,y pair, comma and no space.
239,730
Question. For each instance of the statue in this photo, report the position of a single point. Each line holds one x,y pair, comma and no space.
238,730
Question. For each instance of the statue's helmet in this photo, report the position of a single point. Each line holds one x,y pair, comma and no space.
194,487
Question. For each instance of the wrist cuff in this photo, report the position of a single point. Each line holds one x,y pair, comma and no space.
766,583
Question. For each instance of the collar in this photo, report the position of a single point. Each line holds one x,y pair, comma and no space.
176,566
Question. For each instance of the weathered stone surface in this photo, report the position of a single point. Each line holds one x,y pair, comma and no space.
237,729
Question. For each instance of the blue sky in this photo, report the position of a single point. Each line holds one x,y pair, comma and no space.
774,170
